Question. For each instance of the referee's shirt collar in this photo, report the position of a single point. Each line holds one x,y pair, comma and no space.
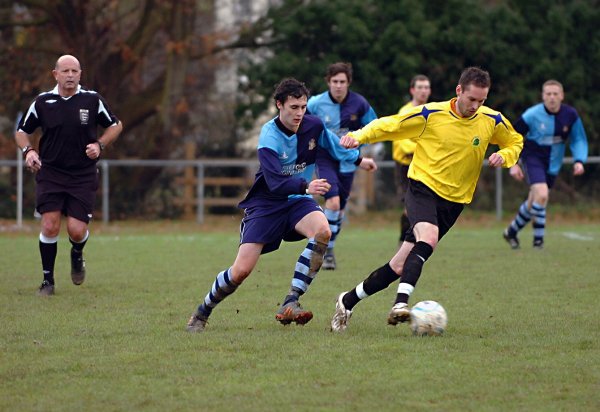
55,91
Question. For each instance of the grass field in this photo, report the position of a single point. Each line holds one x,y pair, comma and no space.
523,331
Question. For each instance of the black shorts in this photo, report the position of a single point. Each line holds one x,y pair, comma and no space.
424,205
401,181
74,196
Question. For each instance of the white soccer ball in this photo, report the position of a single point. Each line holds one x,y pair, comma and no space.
428,318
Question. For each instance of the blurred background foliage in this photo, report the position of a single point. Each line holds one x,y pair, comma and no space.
178,71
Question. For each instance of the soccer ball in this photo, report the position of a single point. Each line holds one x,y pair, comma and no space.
428,318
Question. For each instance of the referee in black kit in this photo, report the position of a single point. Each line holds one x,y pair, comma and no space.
65,167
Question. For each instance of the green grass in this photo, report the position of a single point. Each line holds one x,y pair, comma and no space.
522,335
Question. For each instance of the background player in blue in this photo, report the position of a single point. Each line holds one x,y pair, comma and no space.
66,173
546,127
279,205
342,111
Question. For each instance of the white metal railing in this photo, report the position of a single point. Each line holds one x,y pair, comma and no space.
201,165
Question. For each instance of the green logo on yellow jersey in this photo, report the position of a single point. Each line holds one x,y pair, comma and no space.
476,141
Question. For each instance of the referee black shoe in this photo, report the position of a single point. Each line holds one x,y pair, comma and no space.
77,267
46,289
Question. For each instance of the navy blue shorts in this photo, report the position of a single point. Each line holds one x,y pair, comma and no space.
74,196
424,205
535,168
341,183
277,225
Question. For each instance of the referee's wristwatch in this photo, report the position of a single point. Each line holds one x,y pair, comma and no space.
100,145
26,150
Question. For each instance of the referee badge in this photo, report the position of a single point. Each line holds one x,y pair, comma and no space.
312,144
84,115
475,141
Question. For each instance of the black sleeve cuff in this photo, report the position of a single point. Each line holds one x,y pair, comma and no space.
303,187
357,161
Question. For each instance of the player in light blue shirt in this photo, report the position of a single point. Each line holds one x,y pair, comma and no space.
280,206
547,128
342,111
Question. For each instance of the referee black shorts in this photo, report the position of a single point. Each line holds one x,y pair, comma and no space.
424,205
73,196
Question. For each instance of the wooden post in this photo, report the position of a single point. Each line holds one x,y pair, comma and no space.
189,180
359,197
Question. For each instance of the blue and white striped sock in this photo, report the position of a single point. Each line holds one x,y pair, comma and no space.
222,287
303,273
335,223
539,222
523,217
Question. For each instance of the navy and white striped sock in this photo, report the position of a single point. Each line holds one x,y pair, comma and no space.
335,223
539,222
222,287
305,270
521,219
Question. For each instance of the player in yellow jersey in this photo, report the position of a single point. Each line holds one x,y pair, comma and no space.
402,150
452,138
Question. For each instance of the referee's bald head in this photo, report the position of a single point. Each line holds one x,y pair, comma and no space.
67,58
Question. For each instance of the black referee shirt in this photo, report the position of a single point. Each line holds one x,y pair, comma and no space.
68,126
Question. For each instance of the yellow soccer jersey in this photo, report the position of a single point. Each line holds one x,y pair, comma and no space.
450,149
402,150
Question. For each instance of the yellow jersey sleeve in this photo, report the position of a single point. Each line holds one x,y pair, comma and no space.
508,140
402,150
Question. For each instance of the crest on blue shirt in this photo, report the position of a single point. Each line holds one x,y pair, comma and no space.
312,144
284,156
84,116
475,141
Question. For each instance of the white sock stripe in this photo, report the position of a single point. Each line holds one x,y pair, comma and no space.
537,207
297,283
406,288
332,215
87,235
301,268
307,253
360,291
45,239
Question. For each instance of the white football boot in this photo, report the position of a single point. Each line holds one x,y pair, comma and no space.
339,323
399,314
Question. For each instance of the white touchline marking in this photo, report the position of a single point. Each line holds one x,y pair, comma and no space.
577,236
